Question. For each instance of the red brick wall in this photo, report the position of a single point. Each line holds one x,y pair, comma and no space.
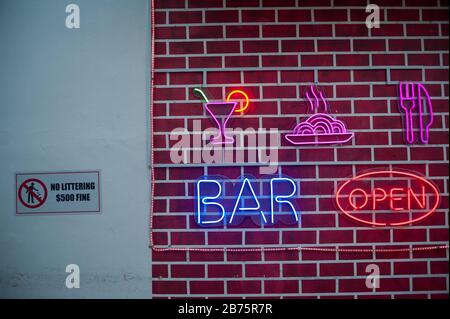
273,50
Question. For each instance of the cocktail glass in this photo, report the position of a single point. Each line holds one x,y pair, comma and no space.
221,113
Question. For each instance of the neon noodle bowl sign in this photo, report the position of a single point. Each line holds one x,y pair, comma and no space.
378,199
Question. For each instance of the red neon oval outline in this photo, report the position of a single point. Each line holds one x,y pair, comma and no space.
434,188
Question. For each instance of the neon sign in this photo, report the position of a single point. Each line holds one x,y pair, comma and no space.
377,199
219,202
319,128
409,100
221,113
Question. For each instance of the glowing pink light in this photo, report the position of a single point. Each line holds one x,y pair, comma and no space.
409,100
222,138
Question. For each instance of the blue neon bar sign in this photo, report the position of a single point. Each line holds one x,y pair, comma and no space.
219,202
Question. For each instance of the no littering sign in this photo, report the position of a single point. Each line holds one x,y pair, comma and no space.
58,192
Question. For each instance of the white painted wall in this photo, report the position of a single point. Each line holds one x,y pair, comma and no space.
74,100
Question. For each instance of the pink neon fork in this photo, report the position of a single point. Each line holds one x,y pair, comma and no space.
407,103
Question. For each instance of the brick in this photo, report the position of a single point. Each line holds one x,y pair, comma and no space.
297,76
169,287
352,90
279,31
316,60
205,32
299,270
170,32
353,285
330,15
241,61
430,284
423,59
294,15
373,236
242,31
185,17
160,271
403,14
244,287
225,238
334,76
388,59
276,3
435,45
206,287
336,269
187,238
187,47
206,5
223,47
410,267
297,45
406,75
422,30
223,77
370,75
333,45
279,60
260,76
316,30
435,15
405,45
351,30
299,237
170,63
280,286
221,16
225,271
410,235
170,93
436,75
188,271
186,78
318,220
318,286
388,30
279,92
369,45
258,16
168,222
205,62
160,48
201,256
160,78
264,270
167,4
335,236
393,154
256,238
352,59
260,46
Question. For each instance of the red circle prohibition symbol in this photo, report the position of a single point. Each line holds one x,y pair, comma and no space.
39,200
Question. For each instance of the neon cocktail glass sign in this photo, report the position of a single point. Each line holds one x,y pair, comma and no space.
219,202
387,198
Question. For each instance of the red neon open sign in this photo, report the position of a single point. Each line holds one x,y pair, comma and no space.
387,198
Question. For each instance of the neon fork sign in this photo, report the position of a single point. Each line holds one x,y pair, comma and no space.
387,198
414,96
219,202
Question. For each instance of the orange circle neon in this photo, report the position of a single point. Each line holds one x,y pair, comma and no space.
242,109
